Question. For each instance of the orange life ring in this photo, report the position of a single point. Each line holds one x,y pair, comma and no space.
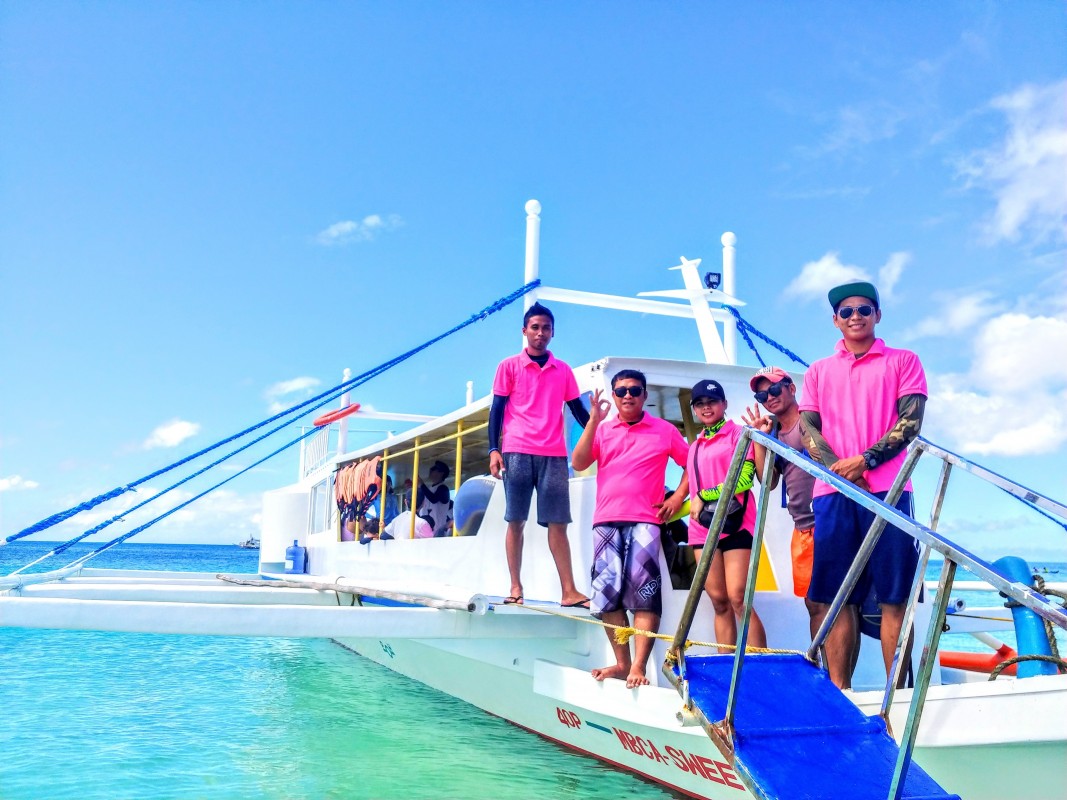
336,414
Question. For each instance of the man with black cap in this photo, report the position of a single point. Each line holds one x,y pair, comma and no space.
861,408
433,502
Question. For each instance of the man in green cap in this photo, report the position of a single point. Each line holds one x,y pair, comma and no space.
861,408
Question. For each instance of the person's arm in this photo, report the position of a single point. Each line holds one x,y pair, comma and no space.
745,481
765,424
438,495
670,507
582,456
817,446
496,422
581,416
910,411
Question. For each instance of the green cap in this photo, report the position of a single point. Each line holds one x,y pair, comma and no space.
856,289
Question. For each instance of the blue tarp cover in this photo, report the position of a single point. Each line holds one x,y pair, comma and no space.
797,736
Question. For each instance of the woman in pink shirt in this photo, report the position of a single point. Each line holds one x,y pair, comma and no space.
709,460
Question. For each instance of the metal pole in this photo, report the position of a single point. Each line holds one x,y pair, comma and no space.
907,628
864,554
459,465
414,489
729,269
342,427
750,591
704,566
533,248
922,680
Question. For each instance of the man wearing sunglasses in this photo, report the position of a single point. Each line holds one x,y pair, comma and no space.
774,388
861,408
631,452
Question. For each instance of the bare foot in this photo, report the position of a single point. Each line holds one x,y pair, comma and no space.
614,671
516,592
635,679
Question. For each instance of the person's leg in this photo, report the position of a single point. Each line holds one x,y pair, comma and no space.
715,586
513,547
735,568
893,565
645,621
837,536
622,666
518,490
892,622
561,554
840,644
554,510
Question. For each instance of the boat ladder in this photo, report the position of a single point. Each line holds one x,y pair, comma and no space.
787,730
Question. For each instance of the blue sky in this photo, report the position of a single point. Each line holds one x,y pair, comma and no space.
207,209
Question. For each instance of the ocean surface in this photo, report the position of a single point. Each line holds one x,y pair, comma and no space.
108,715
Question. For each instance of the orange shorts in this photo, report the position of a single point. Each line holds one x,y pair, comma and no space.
802,548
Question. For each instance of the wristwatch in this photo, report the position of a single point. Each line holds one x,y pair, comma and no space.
870,459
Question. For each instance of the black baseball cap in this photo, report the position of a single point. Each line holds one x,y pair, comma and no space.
709,389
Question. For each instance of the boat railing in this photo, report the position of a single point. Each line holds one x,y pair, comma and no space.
722,731
315,450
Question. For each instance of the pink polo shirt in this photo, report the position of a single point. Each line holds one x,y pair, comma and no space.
857,399
533,416
631,467
715,455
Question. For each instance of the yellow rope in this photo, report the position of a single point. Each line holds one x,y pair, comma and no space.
623,634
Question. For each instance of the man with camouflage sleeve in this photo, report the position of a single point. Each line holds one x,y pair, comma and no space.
861,408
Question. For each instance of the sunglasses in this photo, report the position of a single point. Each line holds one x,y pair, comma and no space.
844,312
775,389
633,391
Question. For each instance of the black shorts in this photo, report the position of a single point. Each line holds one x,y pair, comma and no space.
742,540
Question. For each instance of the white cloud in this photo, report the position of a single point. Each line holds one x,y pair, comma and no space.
1026,171
286,394
1013,400
171,434
349,231
15,483
816,278
859,125
957,313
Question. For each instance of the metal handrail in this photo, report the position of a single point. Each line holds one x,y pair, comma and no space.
885,513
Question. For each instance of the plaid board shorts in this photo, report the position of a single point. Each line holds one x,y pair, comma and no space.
626,572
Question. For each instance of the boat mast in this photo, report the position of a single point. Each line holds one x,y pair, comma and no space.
705,298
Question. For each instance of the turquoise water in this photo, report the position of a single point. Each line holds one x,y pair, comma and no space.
108,715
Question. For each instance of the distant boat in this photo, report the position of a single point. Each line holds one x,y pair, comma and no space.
251,543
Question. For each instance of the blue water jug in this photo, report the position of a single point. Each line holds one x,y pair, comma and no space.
295,559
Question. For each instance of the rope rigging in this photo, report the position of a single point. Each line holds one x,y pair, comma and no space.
306,407
744,328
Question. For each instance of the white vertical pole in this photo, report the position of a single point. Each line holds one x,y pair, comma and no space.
729,256
533,248
342,426
470,392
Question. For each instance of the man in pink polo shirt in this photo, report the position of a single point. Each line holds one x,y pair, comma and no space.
528,396
861,408
631,452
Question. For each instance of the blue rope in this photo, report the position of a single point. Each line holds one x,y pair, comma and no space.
318,400
180,506
744,327
1035,507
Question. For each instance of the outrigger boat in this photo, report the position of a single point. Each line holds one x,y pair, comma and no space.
711,724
